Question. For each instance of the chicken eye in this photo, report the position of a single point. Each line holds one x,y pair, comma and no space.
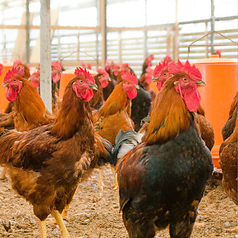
165,74
185,80
81,81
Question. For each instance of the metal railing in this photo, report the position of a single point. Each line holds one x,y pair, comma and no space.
132,45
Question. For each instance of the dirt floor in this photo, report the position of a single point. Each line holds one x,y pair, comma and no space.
95,214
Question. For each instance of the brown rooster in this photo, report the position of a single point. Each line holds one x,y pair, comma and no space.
147,63
162,179
115,114
161,74
25,72
228,160
101,79
47,163
28,108
111,84
230,124
145,80
56,69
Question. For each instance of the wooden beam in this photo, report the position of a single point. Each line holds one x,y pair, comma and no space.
45,55
103,29
53,27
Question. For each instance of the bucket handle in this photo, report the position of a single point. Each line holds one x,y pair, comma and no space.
211,32
76,52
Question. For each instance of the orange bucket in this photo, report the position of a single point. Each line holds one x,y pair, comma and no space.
66,76
221,79
3,101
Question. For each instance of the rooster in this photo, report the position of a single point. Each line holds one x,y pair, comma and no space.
140,105
30,112
230,124
147,63
29,108
25,69
228,152
47,163
228,160
145,80
56,69
101,79
162,179
161,74
111,84
115,113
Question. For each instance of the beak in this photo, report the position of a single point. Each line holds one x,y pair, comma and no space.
201,83
4,84
137,86
109,79
155,79
93,86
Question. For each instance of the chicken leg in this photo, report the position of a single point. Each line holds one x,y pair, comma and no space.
100,180
60,222
3,174
115,185
65,213
43,229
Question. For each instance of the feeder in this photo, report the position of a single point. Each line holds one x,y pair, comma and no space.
220,75
3,101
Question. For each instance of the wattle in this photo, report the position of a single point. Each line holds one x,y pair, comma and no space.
11,94
132,93
104,83
159,85
86,94
35,83
191,97
89,95
56,78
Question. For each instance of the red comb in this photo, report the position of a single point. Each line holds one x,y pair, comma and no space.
186,68
56,65
167,58
102,71
16,70
116,66
129,77
125,67
84,73
161,66
17,62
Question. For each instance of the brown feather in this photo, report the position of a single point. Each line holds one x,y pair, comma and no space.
114,115
228,160
163,127
29,109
